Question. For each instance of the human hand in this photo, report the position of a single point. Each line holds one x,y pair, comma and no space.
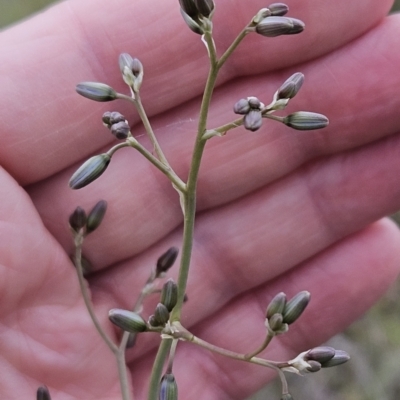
279,210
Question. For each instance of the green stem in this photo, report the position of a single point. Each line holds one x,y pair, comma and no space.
264,345
166,170
85,294
232,47
157,370
221,130
119,355
190,195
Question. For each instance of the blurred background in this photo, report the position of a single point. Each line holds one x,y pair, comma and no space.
373,341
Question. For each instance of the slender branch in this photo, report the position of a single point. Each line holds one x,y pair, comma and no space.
221,130
232,47
123,375
157,370
172,356
85,294
178,183
264,345
136,100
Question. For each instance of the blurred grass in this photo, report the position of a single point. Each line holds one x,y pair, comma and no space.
373,341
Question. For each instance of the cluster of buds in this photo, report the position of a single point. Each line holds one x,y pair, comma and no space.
132,322
80,223
315,359
270,21
251,108
281,313
117,124
132,71
197,14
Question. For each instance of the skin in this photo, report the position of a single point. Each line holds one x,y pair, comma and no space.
279,210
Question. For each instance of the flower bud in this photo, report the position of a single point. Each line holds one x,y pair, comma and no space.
321,354
189,8
252,120
106,119
275,322
89,171
241,107
96,216
127,320
278,9
166,260
43,393
254,103
295,307
161,314
306,121
263,13
131,70
204,7
339,358
96,91
276,26
315,366
168,388
291,86
77,219
116,117
193,25
120,130
169,294
276,305
131,340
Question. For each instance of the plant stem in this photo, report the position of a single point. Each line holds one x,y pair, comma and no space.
232,47
190,195
221,130
85,294
165,169
119,355
157,370
261,348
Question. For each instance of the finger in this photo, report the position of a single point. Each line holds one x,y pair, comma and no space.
51,118
46,333
152,218
344,282
272,231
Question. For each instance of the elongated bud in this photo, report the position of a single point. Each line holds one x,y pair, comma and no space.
43,393
168,388
321,354
253,120
339,358
277,26
169,294
166,260
89,171
295,307
241,107
189,8
77,219
278,9
291,86
127,320
306,121
96,216
276,305
121,130
204,7
161,314
192,24
96,91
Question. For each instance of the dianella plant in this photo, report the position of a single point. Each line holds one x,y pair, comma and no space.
251,113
